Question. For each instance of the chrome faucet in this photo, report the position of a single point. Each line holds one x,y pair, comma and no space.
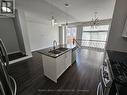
54,44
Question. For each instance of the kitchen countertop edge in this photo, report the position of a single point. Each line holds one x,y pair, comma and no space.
46,50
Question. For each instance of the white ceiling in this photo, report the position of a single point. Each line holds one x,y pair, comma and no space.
78,10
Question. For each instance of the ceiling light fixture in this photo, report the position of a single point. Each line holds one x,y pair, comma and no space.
95,21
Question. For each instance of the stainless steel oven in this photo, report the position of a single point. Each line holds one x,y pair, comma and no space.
105,78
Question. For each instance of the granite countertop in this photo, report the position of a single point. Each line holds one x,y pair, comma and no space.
119,60
46,50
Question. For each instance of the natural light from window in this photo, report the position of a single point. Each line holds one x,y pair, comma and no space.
70,34
95,37
98,28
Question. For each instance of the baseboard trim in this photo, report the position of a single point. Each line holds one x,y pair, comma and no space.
20,59
36,49
16,52
13,52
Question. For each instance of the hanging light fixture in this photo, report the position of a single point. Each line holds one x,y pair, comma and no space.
66,6
95,21
53,21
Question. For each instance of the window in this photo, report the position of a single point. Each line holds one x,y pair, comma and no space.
70,34
94,37
98,28
99,33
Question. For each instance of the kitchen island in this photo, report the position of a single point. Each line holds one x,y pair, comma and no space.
57,60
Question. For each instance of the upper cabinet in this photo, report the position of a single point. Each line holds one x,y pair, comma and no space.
124,34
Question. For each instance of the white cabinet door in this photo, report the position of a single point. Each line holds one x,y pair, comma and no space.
68,59
49,65
74,55
60,61
54,67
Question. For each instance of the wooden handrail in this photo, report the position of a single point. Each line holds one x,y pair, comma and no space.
75,41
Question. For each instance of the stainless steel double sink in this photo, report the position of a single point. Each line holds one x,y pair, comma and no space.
58,50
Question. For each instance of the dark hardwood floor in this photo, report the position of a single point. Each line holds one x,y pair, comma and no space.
81,78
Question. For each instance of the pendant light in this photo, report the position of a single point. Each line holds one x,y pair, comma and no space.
95,21
53,21
66,6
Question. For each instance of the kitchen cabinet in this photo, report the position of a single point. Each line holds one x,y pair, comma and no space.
74,55
60,64
68,59
55,67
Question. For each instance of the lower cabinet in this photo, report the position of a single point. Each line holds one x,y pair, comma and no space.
55,67
49,66
60,65
74,55
68,60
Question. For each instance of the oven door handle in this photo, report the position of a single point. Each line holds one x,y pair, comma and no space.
2,89
101,70
99,89
15,85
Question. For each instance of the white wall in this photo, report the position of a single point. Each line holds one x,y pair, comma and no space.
24,31
8,35
115,40
18,30
38,22
41,35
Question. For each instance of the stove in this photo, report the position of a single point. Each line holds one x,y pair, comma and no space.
105,84
118,62
120,72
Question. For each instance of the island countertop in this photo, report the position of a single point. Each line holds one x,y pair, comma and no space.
46,50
